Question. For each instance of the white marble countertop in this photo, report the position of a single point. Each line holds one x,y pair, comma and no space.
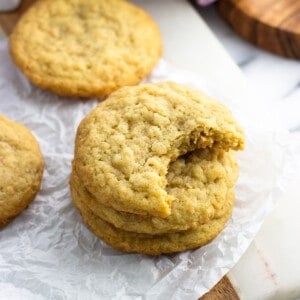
270,268
276,78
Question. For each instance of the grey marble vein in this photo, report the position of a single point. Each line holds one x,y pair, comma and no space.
292,91
246,61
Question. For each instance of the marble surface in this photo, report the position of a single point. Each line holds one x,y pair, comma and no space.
276,78
270,268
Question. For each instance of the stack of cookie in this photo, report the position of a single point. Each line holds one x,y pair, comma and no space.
154,168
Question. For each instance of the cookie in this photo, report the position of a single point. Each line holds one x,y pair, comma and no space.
153,244
21,168
199,183
85,48
124,147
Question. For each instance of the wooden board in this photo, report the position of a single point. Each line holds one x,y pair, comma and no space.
222,290
272,25
9,19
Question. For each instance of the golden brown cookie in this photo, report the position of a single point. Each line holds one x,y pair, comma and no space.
124,147
21,168
153,244
85,48
199,183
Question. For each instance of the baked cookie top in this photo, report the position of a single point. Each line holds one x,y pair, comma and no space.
21,168
124,147
154,244
199,183
85,48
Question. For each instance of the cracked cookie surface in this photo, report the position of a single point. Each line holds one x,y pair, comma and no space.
199,183
85,48
21,168
124,147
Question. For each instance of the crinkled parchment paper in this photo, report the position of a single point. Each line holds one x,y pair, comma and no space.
48,253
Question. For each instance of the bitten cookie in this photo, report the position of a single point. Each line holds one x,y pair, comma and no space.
85,48
125,146
199,183
154,244
21,168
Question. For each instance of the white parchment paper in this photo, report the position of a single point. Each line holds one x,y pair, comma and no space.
48,253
